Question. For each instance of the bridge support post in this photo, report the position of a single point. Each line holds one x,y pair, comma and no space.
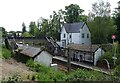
68,60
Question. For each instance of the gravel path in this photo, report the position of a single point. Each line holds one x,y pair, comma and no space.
10,67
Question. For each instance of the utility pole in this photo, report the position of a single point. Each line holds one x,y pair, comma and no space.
68,59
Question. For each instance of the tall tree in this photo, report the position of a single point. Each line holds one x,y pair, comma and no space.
101,24
117,21
72,13
33,29
23,27
45,27
3,32
56,20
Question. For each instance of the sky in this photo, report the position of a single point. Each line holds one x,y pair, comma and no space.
14,12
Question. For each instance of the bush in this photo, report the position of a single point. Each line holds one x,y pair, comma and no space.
118,59
108,56
14,78
6,53
26,34
117,71
48,74
30,63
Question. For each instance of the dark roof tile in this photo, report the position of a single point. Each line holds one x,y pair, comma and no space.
73,27
86,48
30,51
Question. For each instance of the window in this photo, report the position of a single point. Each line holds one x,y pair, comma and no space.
87,35
63,43
70,36
82,35
64,36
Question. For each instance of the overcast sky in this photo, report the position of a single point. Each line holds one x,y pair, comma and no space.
14,12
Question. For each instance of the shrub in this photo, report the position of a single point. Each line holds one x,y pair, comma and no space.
14,78
30,63
108,56
117,71
48,74
118,59
6,53
57,76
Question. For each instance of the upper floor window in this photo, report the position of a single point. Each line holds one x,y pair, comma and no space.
87,35
70,36
82,35
64,35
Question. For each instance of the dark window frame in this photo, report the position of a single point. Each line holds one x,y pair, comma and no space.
64,35
83,35
87,35
70,36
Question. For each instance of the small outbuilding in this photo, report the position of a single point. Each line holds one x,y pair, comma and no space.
36,54
85,53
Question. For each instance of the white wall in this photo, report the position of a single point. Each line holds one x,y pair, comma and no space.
44,58
97,55
62,36
76,37
85,40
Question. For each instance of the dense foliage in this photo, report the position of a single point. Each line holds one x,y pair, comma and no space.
72,13
3,32
6,53
23,28
49,74
117,21
100,23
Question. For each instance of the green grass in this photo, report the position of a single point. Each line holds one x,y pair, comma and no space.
6,53
48,74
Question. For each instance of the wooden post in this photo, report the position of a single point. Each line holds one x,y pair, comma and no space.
69,59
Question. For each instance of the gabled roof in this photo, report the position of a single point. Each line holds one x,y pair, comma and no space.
73,27
30,51
84,48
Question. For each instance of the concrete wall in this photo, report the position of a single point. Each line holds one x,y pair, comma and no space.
44,58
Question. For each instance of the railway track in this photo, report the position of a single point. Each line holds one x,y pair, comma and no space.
62,65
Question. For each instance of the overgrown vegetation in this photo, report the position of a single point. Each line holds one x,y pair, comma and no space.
114,52
6,53
49,74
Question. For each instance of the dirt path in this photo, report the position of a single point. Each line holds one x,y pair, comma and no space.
11,67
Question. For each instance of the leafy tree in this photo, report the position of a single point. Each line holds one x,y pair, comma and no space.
33,29
100,9
72,13
26,34
45,27
101,24
13,33
3,32
117,22
56,20
23,28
